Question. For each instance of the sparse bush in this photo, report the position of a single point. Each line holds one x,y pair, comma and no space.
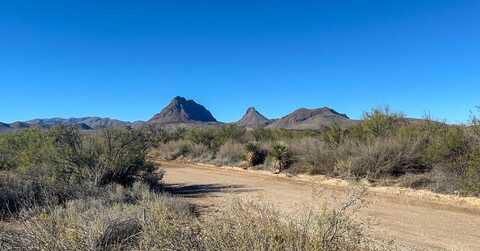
232,133
313,156
378,123
246,225
334,135
387,158
208,137
54,166
103,224
17,193
230,153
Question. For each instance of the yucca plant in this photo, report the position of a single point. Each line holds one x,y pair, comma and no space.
281,157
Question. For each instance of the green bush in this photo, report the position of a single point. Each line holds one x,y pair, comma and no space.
334,136
21,150
61,164
208,137
378,123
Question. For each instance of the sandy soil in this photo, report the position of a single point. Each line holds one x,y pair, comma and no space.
415,220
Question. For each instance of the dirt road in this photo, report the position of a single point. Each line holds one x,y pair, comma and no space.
413,222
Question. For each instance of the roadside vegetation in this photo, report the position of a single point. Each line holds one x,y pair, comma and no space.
384,148
63,190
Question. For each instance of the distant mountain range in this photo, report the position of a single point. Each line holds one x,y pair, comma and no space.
183,112
85,123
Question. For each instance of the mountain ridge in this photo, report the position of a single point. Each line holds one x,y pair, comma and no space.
313,119
188,113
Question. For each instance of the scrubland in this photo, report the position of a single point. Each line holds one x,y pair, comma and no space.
385,148
62,190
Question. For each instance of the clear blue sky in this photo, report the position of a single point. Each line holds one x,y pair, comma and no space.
127,59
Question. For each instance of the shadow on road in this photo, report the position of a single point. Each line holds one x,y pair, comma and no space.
203,190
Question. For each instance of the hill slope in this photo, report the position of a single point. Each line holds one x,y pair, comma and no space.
312,119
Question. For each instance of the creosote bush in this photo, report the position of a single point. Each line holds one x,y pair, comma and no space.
61,164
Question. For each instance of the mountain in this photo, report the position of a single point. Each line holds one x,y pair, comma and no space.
19,125
97,123
312,119
181,110
253,119
84,123
4,127
83,126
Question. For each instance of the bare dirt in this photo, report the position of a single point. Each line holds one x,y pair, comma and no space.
415,220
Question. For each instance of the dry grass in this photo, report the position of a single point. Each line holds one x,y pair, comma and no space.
159,222
230,153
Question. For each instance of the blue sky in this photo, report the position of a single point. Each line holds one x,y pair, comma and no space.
127,59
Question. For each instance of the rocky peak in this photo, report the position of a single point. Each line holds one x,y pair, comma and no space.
181,110
253,119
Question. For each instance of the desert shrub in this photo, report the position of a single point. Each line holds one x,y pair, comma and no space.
334,135
247,225
64,155
377,123
254,154
387,158
67,165
470,177
183,149
151,221
173,149
232,133
230,153
209,137
119,234
313,156
21,150
20,192
446,144
122,156
17,193
270,135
